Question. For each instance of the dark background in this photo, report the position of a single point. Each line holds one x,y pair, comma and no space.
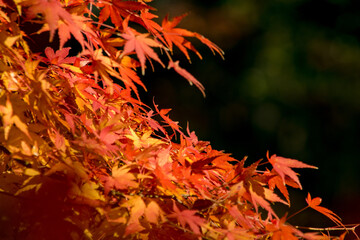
289,84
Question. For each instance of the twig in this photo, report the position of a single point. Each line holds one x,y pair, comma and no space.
337,228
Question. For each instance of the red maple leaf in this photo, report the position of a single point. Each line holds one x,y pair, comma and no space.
118,10
131,5
187,217
59,57
283,167
280,230
192,80
54,16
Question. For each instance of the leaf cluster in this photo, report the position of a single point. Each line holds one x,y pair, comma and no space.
84,158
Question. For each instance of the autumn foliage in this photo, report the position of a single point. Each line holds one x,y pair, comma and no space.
83,158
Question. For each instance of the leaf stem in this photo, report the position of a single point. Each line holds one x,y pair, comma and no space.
292,215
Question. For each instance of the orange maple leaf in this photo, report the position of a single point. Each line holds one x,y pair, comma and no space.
283,167
129,75
120,179
277,181
164,115
153,212
137,206
77,27
258,200
140,44
314,204
240,217
175,36
151,25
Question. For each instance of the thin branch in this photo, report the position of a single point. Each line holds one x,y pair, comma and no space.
292,215
337,228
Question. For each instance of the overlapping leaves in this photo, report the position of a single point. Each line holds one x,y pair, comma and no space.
73,135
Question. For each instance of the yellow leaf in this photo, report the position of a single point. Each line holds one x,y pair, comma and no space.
137,206
89,190
21,125
153,212
80,170
28,187
88,234
144,141
10,41
9,117
4,15
25,149
31,172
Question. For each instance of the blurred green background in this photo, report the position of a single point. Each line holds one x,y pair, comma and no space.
290,84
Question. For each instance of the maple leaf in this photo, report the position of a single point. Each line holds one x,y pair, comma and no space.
200,164
241,218
259,200
233,232
175,36
188,217
110,43
144,141
192,80
163,113
59,141
60,57
77,27
137,210
164,177
11,115
314,204
120,179
141,44
153,212
277,181
151,25
280,230
129,75
102,66
53,12
131,5
108,136
118,9
70,120
153,123
213,47
283,167
88,194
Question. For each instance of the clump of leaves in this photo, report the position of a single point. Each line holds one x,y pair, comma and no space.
83,158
